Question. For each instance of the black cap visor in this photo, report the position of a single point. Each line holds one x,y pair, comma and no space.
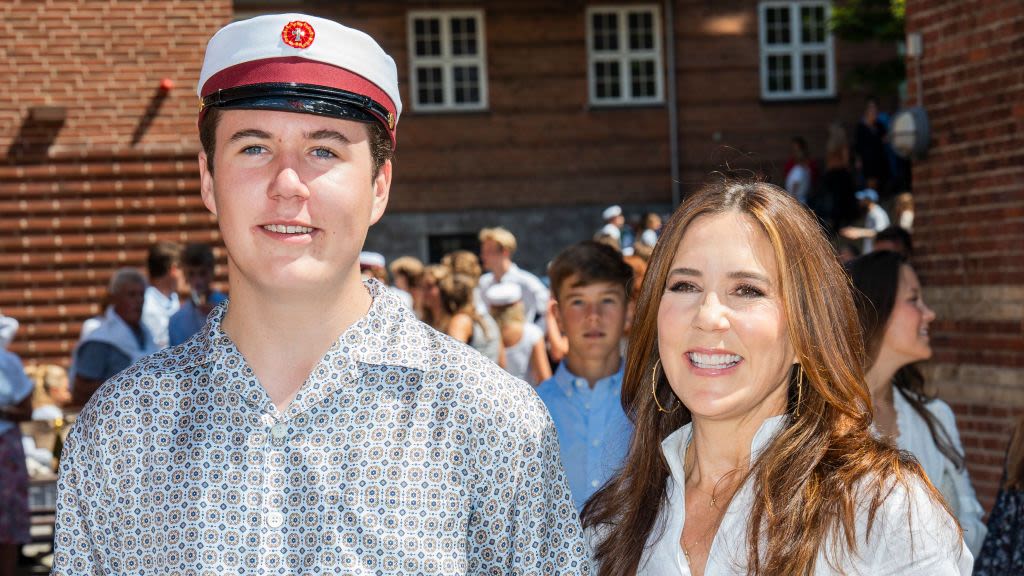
302,98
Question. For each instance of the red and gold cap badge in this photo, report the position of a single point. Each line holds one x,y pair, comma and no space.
298,34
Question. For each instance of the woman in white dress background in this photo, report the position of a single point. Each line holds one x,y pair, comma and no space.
895,321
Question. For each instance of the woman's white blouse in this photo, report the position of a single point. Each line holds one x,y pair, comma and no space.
954,484
926,545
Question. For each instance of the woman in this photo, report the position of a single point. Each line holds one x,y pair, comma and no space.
458,318
753,451
895,323
15,406
650,227
430,309
1003,551
525,354
903,208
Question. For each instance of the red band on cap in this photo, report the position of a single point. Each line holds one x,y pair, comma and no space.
301,71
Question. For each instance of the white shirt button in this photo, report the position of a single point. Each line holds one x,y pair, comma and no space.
581,383
594,483
279,431
275,519
596,443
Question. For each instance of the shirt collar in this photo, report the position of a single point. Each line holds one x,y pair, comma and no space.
568,382
673,446
376,338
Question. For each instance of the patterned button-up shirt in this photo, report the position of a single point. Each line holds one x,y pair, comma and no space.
404,452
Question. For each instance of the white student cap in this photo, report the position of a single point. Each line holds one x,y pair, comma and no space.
611,212
371,259
300,63
503,294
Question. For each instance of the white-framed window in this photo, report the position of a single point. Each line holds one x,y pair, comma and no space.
624,55
448,60
797,58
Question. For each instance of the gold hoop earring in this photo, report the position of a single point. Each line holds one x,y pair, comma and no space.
654,389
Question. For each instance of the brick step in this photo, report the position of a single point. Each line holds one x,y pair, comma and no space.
185,184
94,206
25,296
53,312
100,241
120,222
70,277
101,169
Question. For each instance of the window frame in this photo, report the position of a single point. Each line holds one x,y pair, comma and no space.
446,61
796,50
624,56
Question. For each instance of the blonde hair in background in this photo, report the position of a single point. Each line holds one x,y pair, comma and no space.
499,236
507,315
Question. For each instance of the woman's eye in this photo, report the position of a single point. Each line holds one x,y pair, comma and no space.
683,286
323,153
748,291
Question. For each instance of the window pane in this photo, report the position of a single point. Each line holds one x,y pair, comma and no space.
606,80
641,31
467,84
430,86
812,24
463,37
777,25
815,73
642,81
427,32
780,73
605,28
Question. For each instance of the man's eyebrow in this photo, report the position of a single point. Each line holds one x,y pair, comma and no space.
327,135
249,133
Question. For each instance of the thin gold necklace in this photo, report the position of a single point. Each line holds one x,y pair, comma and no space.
714,490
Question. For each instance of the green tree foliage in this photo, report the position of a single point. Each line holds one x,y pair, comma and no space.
872,21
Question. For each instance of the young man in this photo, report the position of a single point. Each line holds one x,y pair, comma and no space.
314,426
199,264
591,284
165,281
497,245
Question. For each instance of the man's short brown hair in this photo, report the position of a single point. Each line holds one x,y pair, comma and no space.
591,262
161,258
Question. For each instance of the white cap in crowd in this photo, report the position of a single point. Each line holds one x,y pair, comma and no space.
503,294
371,260
612,212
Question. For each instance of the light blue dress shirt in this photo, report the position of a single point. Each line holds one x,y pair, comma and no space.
189,320
593,431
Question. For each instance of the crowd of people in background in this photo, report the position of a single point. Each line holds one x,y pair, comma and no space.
567,334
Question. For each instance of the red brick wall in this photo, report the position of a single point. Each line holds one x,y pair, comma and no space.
969,196
89,194
722,117
83,197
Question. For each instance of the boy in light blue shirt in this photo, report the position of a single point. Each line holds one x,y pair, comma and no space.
590,283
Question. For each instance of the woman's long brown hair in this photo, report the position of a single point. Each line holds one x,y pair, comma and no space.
809,482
